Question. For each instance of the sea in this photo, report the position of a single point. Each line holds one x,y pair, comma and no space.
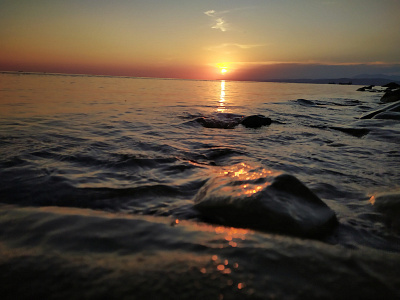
98,177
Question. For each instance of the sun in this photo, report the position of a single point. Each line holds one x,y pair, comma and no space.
223,68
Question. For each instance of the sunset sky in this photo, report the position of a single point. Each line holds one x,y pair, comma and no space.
250,39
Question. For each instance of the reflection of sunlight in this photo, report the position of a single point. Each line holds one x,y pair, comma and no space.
221,108
250,179
372,200
226,237
232,234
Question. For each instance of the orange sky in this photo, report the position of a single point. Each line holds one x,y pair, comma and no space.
196,39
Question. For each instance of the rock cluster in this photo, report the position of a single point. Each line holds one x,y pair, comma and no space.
365,88
254,121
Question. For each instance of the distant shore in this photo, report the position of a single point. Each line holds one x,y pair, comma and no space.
350,81
345,81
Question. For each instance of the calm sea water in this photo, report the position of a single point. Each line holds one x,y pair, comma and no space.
98,176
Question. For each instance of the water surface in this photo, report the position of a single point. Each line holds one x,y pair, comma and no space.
100,173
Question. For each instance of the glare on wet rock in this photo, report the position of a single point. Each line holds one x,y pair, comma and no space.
266,200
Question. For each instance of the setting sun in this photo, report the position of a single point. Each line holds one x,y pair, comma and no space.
223,68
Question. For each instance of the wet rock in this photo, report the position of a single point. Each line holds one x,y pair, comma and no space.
364,88
279,204
391,96
389,205
388,115
229,121
255,121
394,107
392,85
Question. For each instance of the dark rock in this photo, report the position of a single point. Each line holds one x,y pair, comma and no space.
364,88
392,85
391,96
388,204
255,121
388,115
393,107
357,132
229,121
279,204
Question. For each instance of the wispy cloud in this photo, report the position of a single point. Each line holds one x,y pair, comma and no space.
241,46
219,22
221,25
210,13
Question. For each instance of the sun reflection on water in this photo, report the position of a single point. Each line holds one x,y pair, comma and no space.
232,235
230,268
221,103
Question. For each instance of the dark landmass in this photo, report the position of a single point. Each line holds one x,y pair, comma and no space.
354,81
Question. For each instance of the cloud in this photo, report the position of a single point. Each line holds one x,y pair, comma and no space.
220,23
310,70
210,13
233,45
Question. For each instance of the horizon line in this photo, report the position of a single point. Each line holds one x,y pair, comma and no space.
275,80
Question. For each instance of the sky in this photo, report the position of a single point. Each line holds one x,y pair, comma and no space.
208,39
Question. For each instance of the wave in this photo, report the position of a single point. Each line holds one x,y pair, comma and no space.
74,252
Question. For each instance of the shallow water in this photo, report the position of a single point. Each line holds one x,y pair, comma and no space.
98,177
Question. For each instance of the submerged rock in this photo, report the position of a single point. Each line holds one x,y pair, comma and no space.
305,102
261,200
215,123
357,132
256,121
391,96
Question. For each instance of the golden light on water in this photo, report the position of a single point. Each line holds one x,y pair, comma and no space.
221,102
232,235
